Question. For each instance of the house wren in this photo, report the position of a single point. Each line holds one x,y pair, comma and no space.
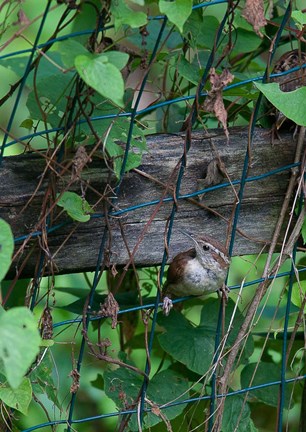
200,270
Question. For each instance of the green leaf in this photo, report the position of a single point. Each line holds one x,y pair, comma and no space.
237,416
246,41
102,75
75,206
200,30
123,385
68,50
98,383
125,299
52,93
6,247
177,11
173,40
262,373
298,293
299,18
27,124
42,379
303,231
188,71
18,398
291,104
186,343
48,66
19,343
194,345
117,58
166,386
116,137
47,342
133,161
122,14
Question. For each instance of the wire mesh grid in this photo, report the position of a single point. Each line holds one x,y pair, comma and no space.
138,410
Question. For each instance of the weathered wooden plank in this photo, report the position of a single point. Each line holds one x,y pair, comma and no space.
20,176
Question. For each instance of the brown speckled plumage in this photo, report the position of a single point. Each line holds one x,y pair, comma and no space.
198,270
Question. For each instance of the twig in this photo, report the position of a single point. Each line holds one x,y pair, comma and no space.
286,200
261,291
202,206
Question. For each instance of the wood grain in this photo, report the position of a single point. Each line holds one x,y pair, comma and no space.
74,247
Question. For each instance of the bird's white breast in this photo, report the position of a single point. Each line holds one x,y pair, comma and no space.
198,280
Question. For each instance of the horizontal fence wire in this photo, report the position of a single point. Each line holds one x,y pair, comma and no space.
116,213
149,109
70,422
190,400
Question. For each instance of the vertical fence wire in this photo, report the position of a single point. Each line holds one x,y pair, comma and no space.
23,81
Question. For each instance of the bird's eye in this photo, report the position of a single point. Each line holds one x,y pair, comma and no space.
206,248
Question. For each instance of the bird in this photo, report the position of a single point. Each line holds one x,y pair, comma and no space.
291,81
197,271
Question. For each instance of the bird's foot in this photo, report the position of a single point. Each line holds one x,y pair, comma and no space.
167,305
224,292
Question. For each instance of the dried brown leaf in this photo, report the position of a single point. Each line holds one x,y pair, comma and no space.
80,160
253,12
22,18
215,174
214,102
110,308
46,324
75,375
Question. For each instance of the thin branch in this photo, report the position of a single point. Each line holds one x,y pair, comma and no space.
286,202
261,291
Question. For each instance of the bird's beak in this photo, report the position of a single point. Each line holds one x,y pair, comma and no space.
189,236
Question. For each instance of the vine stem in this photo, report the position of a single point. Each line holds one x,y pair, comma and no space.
286,202
263,286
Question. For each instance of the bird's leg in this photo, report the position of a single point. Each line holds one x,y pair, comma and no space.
223,292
